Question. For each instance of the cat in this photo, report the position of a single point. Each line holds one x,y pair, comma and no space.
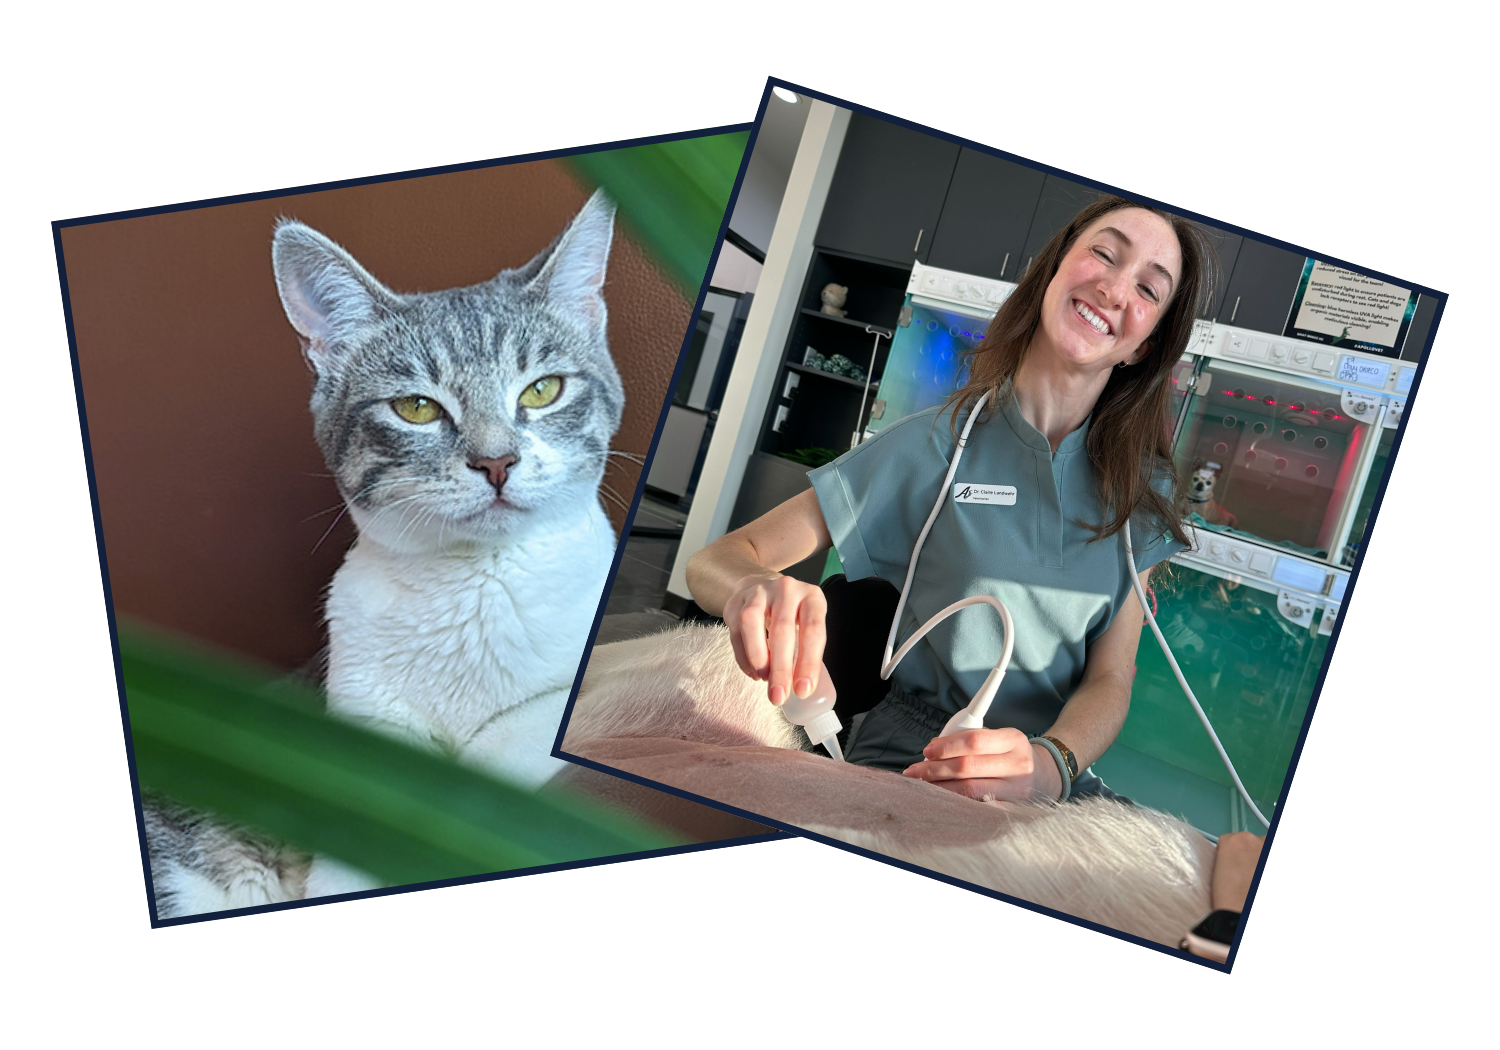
468,432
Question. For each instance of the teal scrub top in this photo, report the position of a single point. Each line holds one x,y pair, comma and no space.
1061,585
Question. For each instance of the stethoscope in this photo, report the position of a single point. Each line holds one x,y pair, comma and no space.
972,716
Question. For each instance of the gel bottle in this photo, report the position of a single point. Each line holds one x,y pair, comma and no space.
814,713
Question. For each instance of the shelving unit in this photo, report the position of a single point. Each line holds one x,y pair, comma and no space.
824,409
818,373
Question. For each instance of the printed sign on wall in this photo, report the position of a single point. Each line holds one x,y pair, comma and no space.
1347,309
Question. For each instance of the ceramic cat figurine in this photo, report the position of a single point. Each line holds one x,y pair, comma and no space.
468,432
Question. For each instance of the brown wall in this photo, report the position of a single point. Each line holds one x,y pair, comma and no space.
212,492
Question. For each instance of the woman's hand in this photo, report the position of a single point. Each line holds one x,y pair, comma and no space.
1234,869
775,622
990,764
776,625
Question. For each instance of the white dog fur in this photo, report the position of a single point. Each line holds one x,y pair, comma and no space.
1129,868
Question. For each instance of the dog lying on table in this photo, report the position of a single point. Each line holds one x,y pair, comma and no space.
675,709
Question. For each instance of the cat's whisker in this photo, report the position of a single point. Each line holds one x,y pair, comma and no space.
329,531
611,494
416,522
640,460
344,507
357,496
319,514
381,512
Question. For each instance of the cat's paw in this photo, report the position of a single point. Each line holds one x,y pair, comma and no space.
328,878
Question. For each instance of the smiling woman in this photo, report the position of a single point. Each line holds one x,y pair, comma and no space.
1071,386
1147,274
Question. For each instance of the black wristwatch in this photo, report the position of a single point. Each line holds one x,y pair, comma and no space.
1212,937
1068,757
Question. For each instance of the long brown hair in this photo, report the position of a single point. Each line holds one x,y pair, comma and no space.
1129,441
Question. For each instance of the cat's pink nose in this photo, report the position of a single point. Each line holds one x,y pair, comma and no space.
495,468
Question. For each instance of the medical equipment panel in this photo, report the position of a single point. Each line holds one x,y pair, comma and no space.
945,315
1277,458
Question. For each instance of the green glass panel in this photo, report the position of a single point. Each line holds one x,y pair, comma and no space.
1252,670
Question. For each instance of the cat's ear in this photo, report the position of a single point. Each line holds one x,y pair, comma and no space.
570,272
327,295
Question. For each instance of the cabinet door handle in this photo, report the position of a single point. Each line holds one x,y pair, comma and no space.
918,246
1004,263
1235,310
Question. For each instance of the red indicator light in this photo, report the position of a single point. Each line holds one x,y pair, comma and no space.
1314,411
1270,400
1249,397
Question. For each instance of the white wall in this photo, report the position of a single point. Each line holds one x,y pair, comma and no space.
735,271
672,466
776,146
766,330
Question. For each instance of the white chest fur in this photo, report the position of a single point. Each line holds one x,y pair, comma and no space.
472,653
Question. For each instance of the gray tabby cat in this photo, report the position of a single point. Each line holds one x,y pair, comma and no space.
468,432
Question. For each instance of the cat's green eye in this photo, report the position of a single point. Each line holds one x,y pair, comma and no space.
542,393
417,409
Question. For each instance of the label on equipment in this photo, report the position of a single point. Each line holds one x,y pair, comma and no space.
1363,373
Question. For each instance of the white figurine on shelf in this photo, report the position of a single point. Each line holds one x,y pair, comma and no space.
833,299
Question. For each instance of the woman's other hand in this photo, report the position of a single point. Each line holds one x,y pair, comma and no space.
1234,868
776,625
990,764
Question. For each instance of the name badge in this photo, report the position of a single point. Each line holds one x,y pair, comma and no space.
1001,495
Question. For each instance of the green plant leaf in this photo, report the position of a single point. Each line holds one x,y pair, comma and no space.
217,736
812,457
672,195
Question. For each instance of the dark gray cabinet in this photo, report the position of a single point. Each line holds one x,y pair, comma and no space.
986,216
1060,200
1227,245
769,482
887,191
1261,288
1421,328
